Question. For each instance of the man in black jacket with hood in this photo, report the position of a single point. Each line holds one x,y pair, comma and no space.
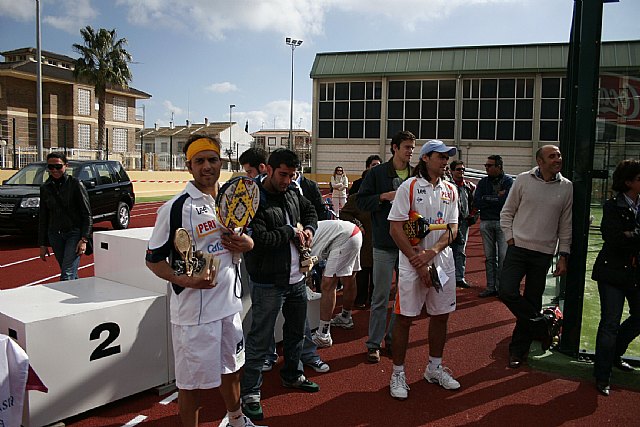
276,279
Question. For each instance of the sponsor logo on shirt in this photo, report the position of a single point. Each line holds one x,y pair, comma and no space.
201,209
439,219
215,247
446,197
206,227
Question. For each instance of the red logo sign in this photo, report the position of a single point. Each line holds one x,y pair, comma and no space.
620,99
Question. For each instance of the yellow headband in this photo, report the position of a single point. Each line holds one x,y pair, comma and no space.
201,144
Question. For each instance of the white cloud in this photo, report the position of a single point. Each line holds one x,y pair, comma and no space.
18,10
75,14
298,18
223,87
421,11
170,108
214,18
275,115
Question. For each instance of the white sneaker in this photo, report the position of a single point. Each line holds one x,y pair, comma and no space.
321,340
313,295
398,386
247,422
442,376
342,322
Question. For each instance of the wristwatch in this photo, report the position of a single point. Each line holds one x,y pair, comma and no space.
564,254
84,239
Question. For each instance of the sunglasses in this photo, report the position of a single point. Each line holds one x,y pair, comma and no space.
488,165
57,166
460,169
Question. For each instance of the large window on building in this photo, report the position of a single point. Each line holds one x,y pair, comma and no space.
350,110
119,109
497,109
427,108
84,102
120,140
551,108
84,136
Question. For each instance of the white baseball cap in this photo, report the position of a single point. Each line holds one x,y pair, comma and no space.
437,146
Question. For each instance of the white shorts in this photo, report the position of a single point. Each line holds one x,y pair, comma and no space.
412,295
205,352
343,261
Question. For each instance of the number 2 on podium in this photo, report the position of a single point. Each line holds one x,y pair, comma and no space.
103,349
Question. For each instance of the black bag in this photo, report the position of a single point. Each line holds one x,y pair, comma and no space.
89,249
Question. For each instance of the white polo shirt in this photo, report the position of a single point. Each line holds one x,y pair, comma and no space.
438,205
198,306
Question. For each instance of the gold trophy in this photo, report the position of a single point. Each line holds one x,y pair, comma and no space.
193,263
307,261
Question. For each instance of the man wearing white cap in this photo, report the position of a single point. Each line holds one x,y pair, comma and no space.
435,199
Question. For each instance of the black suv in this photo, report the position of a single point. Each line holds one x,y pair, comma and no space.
110,194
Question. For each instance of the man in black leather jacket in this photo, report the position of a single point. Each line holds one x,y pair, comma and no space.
65,217
277,280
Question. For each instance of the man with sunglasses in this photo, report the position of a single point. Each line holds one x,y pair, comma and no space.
489,198
466,218
65,217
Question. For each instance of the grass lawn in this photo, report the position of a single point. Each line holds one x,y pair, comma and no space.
591,307
154,199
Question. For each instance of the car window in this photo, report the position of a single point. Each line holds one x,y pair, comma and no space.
121,174
104,174
33,174
86,173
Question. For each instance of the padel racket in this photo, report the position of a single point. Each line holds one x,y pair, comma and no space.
416,227
237,203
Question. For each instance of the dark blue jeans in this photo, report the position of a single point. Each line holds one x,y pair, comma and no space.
613,338
520,263
267,301
64,246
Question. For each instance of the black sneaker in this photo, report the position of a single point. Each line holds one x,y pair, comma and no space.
488,293
462,284
302,383
253,410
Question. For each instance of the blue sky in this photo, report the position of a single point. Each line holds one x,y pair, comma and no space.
195,57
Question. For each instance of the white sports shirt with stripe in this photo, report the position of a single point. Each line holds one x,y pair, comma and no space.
198,306
438,205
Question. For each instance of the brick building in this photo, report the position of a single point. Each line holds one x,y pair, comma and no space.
69,107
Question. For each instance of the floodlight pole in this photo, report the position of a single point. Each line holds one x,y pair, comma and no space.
293,43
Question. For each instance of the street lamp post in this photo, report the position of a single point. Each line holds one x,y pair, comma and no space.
230,150
294,44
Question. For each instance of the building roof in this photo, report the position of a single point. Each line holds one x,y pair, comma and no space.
211,128
262,132
50,72
33,51
470,59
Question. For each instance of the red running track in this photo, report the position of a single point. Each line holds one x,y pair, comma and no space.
355,393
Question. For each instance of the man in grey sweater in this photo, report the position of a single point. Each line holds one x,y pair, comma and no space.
536,221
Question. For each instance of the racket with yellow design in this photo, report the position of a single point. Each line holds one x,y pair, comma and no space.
417,227
237,203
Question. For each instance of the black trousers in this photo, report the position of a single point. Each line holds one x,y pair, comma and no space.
530,324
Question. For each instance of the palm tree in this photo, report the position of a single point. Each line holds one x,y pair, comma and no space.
104,62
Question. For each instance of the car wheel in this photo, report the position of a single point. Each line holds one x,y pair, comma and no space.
121,221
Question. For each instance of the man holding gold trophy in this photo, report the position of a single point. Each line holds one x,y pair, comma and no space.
191,248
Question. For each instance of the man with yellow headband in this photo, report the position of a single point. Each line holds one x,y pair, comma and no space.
207,336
